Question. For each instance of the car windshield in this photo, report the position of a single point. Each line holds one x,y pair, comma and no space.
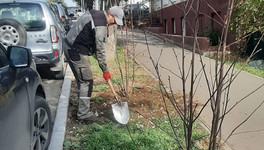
29,15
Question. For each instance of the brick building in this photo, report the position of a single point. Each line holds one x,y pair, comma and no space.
167,19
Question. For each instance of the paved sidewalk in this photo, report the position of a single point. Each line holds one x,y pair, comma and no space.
250,135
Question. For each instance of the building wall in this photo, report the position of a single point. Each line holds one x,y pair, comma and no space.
167,11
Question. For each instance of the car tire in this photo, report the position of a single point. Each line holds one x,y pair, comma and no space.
60,74
42,125
12,33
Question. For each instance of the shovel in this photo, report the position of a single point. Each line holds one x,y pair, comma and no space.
120,109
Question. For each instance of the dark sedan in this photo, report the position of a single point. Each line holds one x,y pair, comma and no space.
25,120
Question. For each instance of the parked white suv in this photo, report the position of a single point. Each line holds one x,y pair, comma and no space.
35,25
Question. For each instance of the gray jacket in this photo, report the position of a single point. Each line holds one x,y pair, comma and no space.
88,36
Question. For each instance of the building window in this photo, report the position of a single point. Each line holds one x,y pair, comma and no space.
215,17
201,25
166,26
158,4
183,22
158,20
177,1
165,2
173,21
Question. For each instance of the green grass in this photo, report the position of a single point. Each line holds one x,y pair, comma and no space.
71,145
120,54
95,66
114,136
101,87
249,69
116,80
135,89
122,58
98,99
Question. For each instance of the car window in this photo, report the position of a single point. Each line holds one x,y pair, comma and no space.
61,10
55,13
29,15
65,10
3,58
56,9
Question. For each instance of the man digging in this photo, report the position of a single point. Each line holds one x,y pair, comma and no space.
87,37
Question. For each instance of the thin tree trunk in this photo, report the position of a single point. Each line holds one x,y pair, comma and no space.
191,94
216,113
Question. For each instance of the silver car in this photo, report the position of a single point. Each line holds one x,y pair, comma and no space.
33,24
63,14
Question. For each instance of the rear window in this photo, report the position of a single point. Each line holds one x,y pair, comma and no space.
29,15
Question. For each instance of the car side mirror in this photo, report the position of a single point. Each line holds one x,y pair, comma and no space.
19,57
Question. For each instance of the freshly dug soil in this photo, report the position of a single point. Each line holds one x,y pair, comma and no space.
145,102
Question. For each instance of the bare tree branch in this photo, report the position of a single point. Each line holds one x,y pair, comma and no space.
177,60
221,24
213,10
245,36
241,100
244,121
216,113
197,85
170,71
177,105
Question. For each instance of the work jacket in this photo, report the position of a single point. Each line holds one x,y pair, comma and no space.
88,36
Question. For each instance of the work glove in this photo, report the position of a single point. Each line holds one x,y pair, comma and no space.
106,76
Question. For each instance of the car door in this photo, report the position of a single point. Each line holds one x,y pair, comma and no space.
14,107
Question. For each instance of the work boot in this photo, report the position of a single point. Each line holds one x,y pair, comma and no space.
84,112
93,116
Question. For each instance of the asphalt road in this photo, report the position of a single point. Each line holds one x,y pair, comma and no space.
53,90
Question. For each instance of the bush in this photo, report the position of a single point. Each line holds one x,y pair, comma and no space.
214,35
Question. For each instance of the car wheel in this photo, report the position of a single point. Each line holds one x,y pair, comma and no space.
60,74
42,125
12,33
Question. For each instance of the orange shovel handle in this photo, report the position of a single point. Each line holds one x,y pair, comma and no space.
113,90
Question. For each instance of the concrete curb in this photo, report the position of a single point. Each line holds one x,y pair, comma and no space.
59,126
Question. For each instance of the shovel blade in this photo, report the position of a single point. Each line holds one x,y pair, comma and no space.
121,112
